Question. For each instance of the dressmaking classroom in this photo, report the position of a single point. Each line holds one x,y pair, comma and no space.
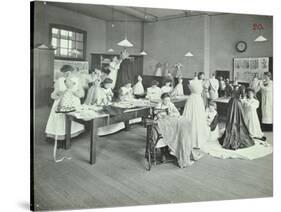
141,106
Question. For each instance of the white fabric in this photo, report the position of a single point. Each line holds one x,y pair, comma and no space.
153,93
138,88
254,84
213,135
107,130
213,89
257,151
266,106
126,94
114,67
194,111
251,117
222,85
178,90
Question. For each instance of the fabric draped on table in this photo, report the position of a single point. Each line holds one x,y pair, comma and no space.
236,133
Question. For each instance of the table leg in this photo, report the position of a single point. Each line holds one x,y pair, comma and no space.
67,132
127,125
93,142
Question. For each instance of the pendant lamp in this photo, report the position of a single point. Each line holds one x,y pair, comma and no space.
125,43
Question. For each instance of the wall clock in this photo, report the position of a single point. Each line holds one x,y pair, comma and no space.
241,46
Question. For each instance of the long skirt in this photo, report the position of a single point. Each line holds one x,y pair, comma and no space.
194,112
56,125
236,133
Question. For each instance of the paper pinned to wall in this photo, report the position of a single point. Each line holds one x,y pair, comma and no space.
246,68
82,65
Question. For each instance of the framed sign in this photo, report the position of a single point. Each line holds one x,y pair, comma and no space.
244,69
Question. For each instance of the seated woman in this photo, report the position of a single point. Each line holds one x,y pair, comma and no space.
167,87
104,97
236,134
63,90
126,92
175,131
212,121
153,92
250,106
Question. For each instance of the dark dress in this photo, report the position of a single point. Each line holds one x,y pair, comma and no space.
236,133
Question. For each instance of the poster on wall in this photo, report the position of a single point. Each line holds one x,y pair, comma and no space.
245,68
83,66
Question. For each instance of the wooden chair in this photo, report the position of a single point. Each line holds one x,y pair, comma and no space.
151,144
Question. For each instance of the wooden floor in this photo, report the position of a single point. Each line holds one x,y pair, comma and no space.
119,178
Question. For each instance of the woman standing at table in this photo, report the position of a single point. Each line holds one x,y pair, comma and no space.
266,100
56,121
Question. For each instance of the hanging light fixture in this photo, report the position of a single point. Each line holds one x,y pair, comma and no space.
188,54
142,44
125,43
260,39
112,25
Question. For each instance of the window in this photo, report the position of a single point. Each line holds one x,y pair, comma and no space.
69,42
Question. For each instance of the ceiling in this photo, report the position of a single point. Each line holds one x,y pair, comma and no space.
134,14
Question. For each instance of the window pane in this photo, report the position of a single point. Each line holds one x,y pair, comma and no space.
63,43
55,31
56,52
64,34
79,45
63,52
71,35
71,44
79,36
54,42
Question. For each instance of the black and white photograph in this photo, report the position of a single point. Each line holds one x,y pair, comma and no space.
137,106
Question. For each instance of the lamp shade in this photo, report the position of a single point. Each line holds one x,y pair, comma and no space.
125,43
143,53
188,54
110,50
260,39
75,51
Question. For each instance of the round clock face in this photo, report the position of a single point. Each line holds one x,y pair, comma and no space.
241,46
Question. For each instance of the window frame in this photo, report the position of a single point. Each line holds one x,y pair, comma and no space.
73,29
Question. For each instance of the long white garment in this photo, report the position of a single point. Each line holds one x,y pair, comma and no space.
138,88
213,89
266,105
194,111
114,67
250,107
178,90
153,93
56,121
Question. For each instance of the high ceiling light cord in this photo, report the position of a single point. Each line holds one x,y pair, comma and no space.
112,25
125,43
142,44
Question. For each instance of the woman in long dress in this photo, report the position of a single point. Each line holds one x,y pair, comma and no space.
93,91
213,87
55,127
205,84
174,129
194,111
266,103
250,106
236,134
114,66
